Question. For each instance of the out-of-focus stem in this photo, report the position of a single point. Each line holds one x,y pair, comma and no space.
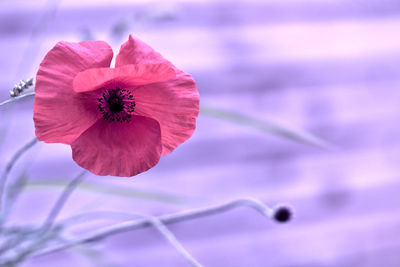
170,237
13,99
265,126
157,224
62,199
46,232
11,194
7,170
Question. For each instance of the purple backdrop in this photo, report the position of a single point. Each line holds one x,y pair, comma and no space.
331,68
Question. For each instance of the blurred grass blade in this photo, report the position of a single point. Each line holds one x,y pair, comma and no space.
115,190
265,126
13,192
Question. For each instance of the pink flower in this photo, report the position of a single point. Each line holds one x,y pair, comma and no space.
118,121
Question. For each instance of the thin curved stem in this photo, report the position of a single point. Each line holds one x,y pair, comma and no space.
46,232
13,99
94,215
9,166
11,195
155,222
34,244
170,237
165,219
62,199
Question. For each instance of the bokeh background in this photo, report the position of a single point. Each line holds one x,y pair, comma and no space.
329,68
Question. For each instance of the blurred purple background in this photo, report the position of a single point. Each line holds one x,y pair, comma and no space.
331,68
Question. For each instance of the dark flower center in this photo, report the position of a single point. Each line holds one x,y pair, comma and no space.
116,104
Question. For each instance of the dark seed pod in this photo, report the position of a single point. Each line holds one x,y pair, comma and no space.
283,214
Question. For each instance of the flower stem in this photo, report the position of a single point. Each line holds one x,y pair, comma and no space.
46,232
62,199
13,99
7,170
170,237
165,219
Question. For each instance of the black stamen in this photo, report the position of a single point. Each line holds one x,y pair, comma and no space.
116,104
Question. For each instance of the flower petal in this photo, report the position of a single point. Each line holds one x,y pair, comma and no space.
119,149
135,51
174,104
126,76
61,114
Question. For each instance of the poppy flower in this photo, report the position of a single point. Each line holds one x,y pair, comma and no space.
120,120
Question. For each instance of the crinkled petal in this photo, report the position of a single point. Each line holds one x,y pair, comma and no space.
61,114
125,76
134,51
174,104
119,149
